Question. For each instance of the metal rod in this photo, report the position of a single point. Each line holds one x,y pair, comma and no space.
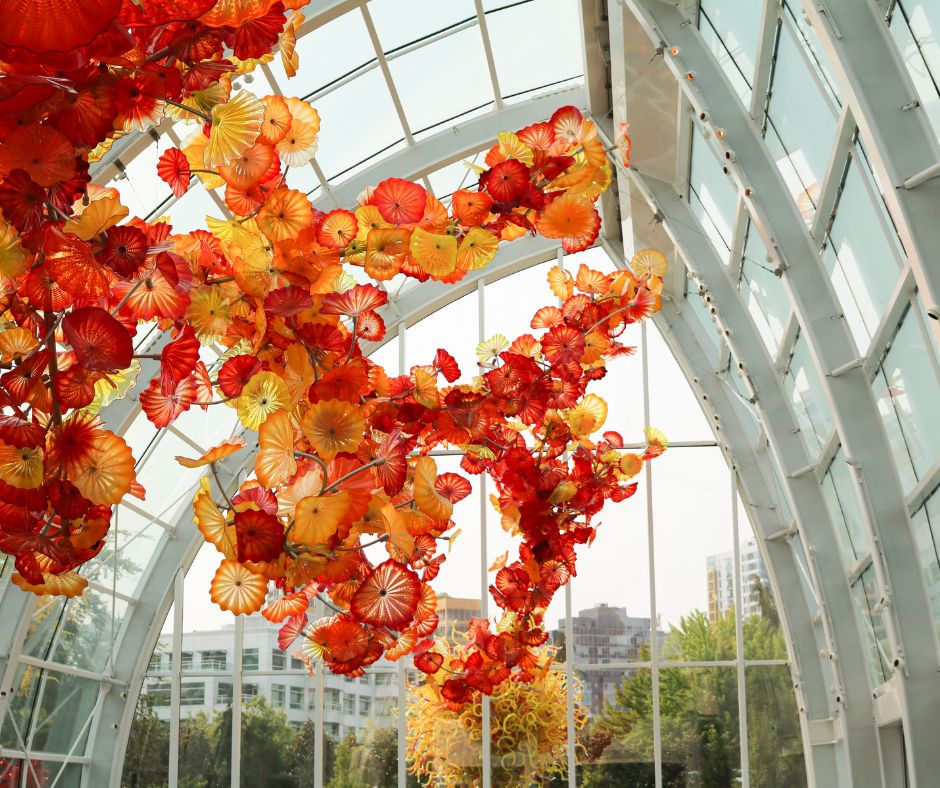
654,622
484,585
739,632
176,668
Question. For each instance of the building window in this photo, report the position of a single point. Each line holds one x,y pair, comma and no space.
223,693
187,660
331,699
214,659
349,704
249,691
159,691
296,664
332,729
278,659
193,693
296,697
155,662
250,659
365,706
278,694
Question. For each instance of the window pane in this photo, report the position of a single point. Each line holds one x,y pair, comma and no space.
915,26
427,79
867,606
732,30
774,743
712,197
842,502
907,398
812,46
861,256
618,738
146,761
926,525
700,729
802,124
806,392
766,298
514,54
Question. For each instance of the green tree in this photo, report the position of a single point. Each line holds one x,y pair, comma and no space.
699,712
301,759
347,765
380,767
148,748
196,751
266,744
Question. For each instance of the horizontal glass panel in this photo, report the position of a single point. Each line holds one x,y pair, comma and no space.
442,79
402,22
341,143
521,37
327,54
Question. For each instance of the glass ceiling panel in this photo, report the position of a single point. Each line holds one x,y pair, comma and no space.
523,51
401,22
327,54
736,28
189,211
356,121
443,79
449,179
140,189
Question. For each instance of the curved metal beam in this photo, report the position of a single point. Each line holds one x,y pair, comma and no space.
809,676
900,141
852,404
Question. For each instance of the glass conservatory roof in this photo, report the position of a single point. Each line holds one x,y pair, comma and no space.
796,344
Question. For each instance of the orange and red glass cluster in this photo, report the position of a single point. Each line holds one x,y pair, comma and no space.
343,447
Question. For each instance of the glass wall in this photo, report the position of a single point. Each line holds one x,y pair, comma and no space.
915,26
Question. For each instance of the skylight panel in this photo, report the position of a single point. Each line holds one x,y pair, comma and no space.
402,22
442,80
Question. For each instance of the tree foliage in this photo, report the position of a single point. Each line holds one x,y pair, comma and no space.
699,720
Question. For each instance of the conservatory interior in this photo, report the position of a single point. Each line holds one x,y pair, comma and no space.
469,393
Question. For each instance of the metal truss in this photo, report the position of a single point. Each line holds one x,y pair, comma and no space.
696,77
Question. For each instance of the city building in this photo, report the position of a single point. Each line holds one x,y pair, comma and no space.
604,635
349,704
206,685
455,614
720,579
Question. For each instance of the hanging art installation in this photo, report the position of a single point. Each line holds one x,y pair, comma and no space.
342,458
